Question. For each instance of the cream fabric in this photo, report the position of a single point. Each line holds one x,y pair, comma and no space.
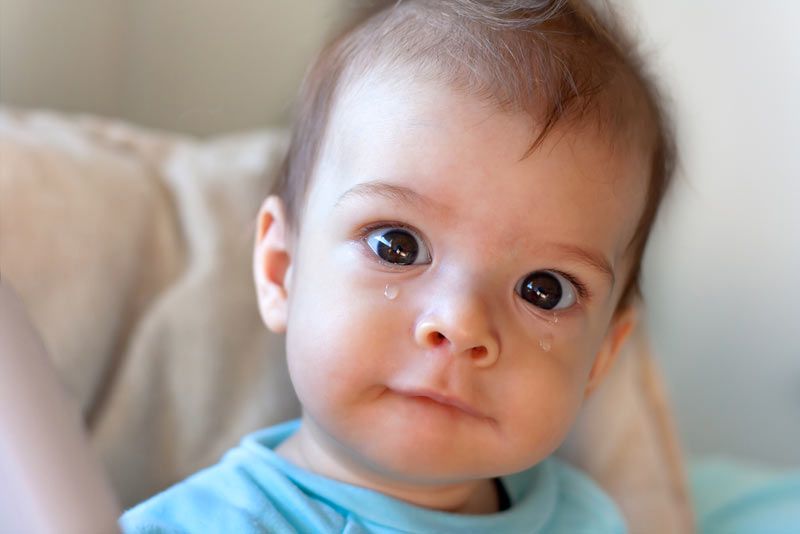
132,251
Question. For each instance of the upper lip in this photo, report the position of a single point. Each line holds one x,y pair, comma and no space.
443,398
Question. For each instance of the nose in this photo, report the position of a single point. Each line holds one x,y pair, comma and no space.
463,327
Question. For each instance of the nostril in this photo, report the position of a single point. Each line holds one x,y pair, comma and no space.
436,339
478,353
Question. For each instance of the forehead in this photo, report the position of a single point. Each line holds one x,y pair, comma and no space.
468,157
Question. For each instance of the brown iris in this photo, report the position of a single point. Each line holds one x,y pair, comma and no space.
397,246
542,290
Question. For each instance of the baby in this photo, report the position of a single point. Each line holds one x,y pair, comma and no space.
453,251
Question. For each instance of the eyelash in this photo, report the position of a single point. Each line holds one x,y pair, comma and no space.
386,224
366,230
583,291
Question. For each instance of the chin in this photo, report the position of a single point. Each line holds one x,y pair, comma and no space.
412,457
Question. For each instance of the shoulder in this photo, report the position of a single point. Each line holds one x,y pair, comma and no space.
239,494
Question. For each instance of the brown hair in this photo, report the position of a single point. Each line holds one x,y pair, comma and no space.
558,61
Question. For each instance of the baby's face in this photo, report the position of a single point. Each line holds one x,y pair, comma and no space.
451,303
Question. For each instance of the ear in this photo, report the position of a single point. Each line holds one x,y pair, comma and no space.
272,264
622,325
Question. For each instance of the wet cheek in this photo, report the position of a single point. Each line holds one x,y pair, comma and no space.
339,343
572,338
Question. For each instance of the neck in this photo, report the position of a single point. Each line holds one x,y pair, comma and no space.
312,450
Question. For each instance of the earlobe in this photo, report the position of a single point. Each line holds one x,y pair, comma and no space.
272,264
620,330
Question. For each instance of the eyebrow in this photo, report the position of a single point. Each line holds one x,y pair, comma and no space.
406,195
391,192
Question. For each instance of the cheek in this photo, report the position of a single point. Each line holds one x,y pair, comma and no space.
541,408
339,344
541,400
575,343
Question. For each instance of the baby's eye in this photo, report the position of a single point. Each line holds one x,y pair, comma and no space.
399,246
547,290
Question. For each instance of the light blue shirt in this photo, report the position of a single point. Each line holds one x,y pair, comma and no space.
252,489
736,497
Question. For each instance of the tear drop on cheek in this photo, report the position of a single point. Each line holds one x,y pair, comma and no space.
391,292
555,318
546,343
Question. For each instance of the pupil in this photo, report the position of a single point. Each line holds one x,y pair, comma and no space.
542,290
398,247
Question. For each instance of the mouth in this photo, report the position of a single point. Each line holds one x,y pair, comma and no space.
444,400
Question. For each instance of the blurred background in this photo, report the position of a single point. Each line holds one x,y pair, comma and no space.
721,276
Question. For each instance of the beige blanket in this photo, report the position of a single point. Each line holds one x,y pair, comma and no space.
132,248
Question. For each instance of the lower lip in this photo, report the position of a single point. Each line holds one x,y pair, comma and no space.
430,404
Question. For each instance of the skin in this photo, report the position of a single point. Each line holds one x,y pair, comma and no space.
457,326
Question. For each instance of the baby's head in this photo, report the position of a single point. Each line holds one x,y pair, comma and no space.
455,241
